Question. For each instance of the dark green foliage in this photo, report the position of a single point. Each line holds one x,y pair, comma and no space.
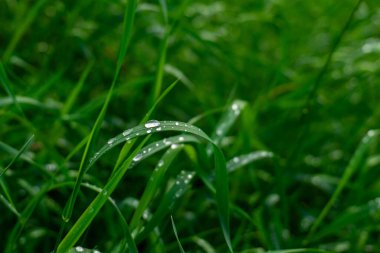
278,154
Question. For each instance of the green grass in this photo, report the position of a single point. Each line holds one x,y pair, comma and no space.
190,126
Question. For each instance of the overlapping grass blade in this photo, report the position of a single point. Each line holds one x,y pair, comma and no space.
128,23
8,200
352,167
182,183
176,235
153,184
136,156
242,160
8,88
227,120
23,148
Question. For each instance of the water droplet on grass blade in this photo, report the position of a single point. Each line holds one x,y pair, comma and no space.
160,163
174,146
79,249
110,141
152,123
126,132
181,138
137,157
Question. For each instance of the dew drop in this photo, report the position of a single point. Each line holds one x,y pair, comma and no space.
160,163
148,131
219,132
79,249
137,157
177,124
177,182
158,129
174,146
157,144
104,193
111,141
235,107
152,123
126,132
236,159
181,138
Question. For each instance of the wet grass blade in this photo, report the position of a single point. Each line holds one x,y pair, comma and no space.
128,145
181,185
226,122
176,235
353,165
242,160
148,128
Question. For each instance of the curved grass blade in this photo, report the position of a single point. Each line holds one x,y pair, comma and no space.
242,160
181,185
176,235
151,127
353,165
127,146
128,22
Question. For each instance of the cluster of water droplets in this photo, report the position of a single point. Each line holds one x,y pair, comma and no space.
242,160
81,249
182,182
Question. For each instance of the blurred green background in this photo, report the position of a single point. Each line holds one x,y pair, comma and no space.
308,70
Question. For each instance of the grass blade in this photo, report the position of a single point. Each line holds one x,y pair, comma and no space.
242,160
151,127
350,169
176,235
128,22
153,184
23,148
181,185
